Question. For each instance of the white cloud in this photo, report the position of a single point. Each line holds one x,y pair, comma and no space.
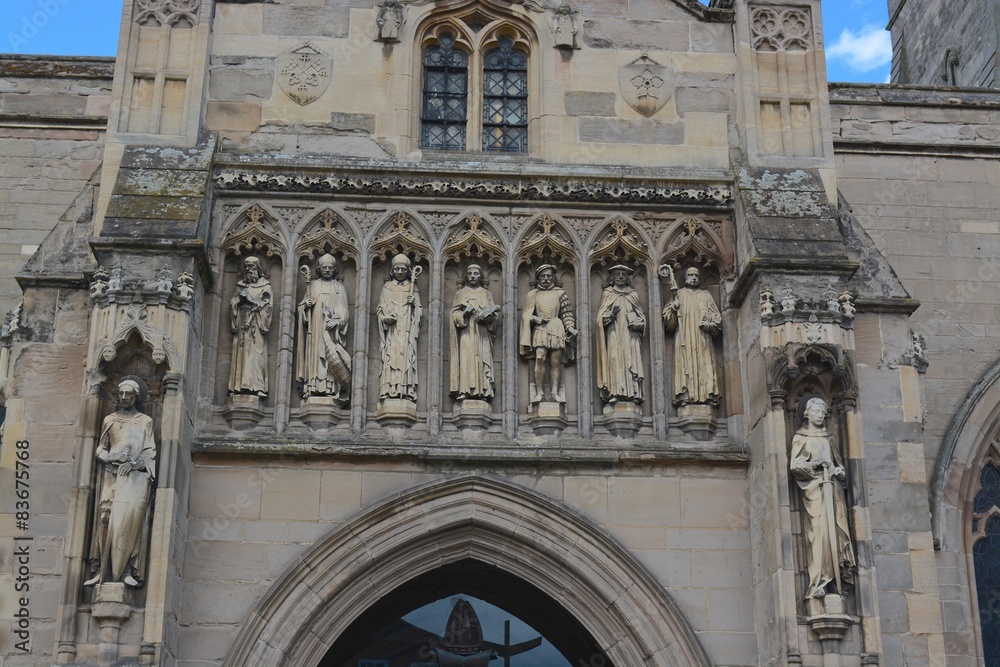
862,51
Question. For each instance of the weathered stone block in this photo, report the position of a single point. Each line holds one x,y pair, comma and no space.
648,131
240,85
232,116
320,21
353,122
641,35
701,99
583,103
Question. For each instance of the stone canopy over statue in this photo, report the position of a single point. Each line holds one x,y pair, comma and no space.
321,359
126,469
820,476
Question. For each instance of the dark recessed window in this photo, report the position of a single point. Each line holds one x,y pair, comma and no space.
446,89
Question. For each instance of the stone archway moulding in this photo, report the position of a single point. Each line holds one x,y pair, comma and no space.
625,609
970,432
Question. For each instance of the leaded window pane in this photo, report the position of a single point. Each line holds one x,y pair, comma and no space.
986,561
989,494
505,99
446,77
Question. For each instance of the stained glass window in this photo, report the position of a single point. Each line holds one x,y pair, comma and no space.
446,80
505,99
986,558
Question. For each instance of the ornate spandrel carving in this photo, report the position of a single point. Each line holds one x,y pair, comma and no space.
255,231
621,324
327,233
323,365
250,321
620,245
474,318
400,239
389,20
775,29
172,13
548,330
546,243
819,473
126,469
472,241
693,242
304,73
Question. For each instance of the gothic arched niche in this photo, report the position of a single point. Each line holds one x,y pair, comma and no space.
427,615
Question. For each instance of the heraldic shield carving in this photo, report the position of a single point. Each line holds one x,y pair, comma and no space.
646,85
304,73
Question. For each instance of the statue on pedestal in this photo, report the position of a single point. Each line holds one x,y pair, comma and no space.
473,318
621,324
820,475
250,319
548,327
126,461
323,365
398,314
694,317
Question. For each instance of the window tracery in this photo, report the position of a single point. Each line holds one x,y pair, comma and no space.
474,90
986,559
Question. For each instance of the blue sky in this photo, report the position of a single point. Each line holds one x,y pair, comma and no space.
858,48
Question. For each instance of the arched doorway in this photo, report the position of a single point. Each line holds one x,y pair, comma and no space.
527,537
466,610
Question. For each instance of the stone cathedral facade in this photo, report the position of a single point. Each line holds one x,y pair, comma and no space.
424,333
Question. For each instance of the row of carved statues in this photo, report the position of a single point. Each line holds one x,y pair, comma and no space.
548,328
126,449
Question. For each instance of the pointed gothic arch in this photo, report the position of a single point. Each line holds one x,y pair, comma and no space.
619,603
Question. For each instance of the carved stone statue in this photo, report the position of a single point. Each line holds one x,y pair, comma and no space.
398,315
820,475
565,26
250,319
621,324
694,317
473,319
126,455
323,366
389,20
547,328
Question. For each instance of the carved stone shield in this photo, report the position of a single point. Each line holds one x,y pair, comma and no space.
304,73
646,85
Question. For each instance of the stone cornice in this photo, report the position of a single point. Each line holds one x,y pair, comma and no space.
474,181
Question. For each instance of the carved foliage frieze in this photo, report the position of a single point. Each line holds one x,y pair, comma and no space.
536,189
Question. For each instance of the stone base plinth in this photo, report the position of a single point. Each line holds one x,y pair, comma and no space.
697,419
321,411
111,607
623,419
243,411
397,412
827,618
547,417
473,415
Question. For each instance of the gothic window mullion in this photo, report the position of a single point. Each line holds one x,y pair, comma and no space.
444,113
505,98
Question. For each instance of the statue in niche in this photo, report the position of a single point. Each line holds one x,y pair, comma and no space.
820,475
323,365
398,315
474,320
622,325
694,318
250,319
548,327
389,20
126,455
564,26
